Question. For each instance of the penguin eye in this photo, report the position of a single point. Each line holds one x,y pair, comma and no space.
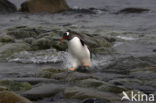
67,33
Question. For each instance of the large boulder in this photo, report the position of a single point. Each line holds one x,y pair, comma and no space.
51,6
6,6
11,97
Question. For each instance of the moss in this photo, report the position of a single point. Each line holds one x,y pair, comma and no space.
6,39
16,86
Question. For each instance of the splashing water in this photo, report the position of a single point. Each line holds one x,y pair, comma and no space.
64,59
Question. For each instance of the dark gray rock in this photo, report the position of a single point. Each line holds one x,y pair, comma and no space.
6,6
133,10
90,100
43,91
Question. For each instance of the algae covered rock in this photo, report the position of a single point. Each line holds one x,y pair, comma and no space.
11,48
51,6
22,32
11,97
15,86
3,88
6,39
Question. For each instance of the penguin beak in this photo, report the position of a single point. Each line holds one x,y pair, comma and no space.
62,39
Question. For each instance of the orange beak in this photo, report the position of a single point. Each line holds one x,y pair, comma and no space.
62,39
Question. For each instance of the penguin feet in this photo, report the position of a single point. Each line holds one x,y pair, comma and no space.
72,69
86,65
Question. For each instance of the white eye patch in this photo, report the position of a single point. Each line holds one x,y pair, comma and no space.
67,33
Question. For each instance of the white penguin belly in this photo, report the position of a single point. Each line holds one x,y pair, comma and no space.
80,53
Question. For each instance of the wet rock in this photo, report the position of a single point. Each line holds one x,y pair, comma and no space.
106,87
33,80
151,68
144,75
107,76
24,32
59,45
6,6
15,86
6,39
125,65
154,50
51,6
29,40
42,43
48,72
42,91
3,88
71,76
93,101
11,97
89,83
11,48
133,10
124,81
83,93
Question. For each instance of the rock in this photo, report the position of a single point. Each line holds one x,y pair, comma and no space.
24,32
33,80
42,43
93,101
133,10
111,88
11,97
3,88
89,83
48,72
11,48
125,81
154,50
71,76
51,6
144,75
43,91
15,86
6,6
83,93
6,39
59,45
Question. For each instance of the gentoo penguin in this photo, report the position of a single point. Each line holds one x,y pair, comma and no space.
78,50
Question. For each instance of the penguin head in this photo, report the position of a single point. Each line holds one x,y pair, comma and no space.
66,35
